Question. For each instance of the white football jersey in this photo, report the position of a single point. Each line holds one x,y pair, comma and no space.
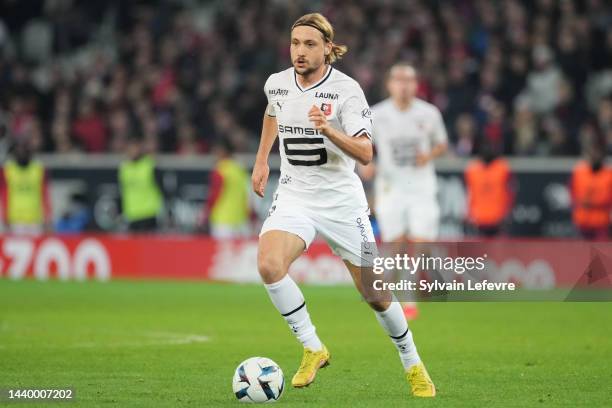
399,136
313,169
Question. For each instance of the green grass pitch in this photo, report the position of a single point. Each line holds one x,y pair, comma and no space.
144,344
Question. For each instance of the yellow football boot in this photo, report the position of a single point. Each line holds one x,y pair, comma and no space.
420,382
311,362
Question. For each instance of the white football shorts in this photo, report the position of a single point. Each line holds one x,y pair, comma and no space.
414,216
344,230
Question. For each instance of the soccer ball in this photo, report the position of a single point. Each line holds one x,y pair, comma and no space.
258,379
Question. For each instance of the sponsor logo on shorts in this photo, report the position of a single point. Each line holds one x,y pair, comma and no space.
364,236
271,210
273,206
285,179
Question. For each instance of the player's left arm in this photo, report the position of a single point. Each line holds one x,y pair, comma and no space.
439,140
355,120
438,150
359,147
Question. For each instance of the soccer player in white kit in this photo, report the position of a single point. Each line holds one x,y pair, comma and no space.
323,123
409,133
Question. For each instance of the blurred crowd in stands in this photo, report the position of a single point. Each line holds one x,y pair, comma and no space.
529,77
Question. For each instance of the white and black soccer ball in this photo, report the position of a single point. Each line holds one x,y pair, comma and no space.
258,379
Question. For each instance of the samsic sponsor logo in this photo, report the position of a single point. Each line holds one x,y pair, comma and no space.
297,130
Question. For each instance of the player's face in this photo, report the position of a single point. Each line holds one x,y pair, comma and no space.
307,49
402,84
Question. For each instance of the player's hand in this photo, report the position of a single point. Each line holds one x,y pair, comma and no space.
318,118
259,178
422,159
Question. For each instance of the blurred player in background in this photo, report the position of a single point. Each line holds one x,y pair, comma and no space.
140,182
323,121
409,134
591,190
24,186
488,181
227,210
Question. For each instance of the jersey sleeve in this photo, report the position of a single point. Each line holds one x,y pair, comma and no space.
438,132
355,115
376,113
270,108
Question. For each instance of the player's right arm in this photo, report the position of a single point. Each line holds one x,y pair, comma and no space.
261,170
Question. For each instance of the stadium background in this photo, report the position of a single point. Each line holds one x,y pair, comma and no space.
78,79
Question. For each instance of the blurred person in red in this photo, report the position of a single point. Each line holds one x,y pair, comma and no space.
89,128
24,189
591,190
488,181
226,212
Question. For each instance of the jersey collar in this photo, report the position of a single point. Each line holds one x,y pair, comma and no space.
329,71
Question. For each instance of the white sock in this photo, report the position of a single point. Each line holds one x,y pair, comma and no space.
394,323
289,301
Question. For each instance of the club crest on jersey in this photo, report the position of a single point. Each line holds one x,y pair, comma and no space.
326,108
